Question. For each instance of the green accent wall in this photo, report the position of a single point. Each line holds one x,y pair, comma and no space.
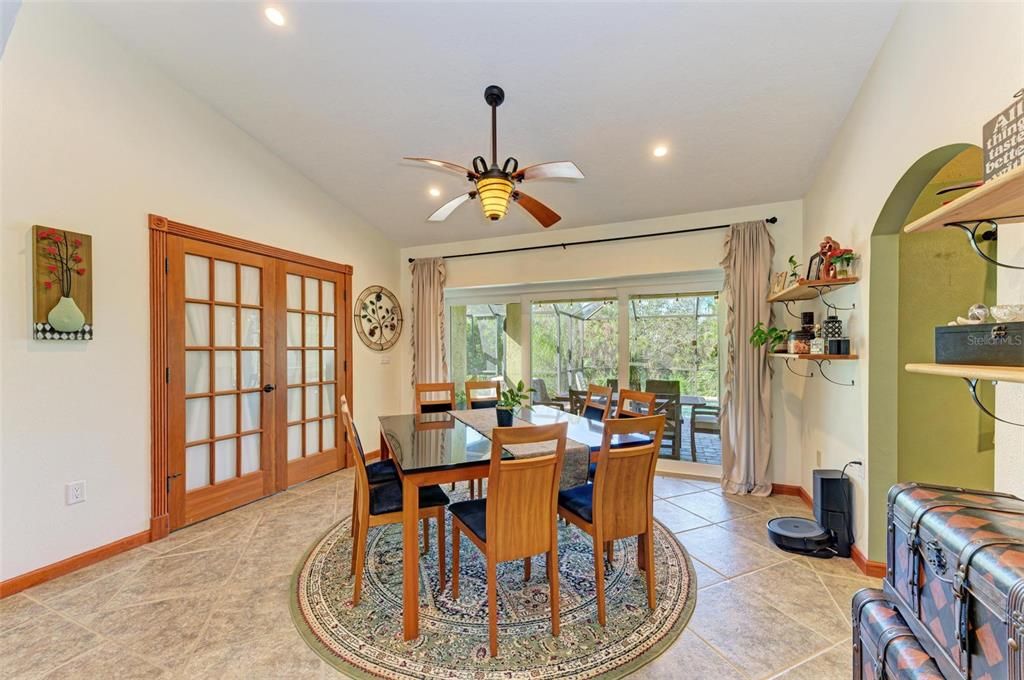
894,403
940,277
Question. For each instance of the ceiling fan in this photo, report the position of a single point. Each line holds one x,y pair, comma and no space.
495,185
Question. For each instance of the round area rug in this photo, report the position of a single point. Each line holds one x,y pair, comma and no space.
366,641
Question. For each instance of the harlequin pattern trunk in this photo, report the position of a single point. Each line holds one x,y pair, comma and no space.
956,574
884,647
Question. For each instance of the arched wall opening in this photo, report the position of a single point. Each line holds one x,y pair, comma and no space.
918,282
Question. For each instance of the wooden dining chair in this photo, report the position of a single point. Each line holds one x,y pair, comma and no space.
378,472
598,403
620,502
631,400
518,518
703,418
442,405
490,390
435,405
382,504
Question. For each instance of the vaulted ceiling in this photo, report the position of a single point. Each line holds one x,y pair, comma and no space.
746,96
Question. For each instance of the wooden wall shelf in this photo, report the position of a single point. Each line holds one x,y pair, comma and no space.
972,375
809,290
820,359
971,372
999,198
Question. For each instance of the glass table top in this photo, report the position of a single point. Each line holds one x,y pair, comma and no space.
439,441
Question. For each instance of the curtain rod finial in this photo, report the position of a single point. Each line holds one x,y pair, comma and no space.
772,220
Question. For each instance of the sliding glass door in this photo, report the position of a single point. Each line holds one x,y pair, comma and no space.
663,338
574,343
484,343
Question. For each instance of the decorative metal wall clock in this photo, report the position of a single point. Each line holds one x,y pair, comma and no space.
378,318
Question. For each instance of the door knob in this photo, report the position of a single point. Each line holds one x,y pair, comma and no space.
269,388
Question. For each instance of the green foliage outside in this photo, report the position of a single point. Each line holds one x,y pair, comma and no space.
576,342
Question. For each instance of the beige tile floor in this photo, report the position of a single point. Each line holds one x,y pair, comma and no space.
211,600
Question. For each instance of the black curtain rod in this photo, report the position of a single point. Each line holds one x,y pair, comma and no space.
770,220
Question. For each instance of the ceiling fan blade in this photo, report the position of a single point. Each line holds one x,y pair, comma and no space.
540,212
444,165
552,170
442,213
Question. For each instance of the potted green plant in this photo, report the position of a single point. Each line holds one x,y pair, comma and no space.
794,269
511,399
844,264
770,336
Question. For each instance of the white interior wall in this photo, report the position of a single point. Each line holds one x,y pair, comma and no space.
661,255
930,86
93,139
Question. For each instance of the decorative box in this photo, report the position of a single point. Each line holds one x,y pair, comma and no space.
986,344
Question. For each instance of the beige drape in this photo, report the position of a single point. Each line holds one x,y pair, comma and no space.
746,417
429,361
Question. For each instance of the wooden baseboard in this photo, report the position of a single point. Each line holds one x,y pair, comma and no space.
869,568
51,571
873,569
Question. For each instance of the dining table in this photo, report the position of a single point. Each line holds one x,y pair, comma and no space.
441,448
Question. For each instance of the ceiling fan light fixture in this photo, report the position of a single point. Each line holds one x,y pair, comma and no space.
495,194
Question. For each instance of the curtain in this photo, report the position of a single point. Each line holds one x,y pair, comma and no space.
746,417
429,362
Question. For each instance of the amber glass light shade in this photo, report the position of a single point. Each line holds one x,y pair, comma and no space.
494,193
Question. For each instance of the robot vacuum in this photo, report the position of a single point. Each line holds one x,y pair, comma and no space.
801,536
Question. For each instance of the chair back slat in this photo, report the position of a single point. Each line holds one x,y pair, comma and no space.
624,481
598,403
354,443
522,494
631,402
425,403
482,393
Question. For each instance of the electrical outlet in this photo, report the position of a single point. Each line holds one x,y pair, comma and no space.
385,360
74,492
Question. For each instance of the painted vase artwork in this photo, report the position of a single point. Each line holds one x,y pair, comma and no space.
63,285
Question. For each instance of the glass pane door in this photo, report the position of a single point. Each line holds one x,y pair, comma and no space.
485,343
221,344
312,299
574,343
674,352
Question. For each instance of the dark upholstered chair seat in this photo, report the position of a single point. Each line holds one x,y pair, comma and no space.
381,471
579,500
435,408
473,514
593,413
388,498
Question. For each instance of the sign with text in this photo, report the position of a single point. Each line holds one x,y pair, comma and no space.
1003,139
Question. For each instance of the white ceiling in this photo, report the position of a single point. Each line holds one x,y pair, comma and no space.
748,96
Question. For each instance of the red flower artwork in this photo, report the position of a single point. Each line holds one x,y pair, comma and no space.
63,255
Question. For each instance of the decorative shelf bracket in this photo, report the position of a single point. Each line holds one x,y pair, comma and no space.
972,386
972,237
821,370
786,304
802,375
828,305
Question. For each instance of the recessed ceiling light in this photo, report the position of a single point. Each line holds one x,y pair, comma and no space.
435,192
660,151
274,16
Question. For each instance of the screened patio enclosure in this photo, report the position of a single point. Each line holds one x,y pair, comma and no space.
668,344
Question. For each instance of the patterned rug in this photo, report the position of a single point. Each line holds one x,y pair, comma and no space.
366,641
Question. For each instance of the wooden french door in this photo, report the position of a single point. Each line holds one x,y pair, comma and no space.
253,375
310,437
